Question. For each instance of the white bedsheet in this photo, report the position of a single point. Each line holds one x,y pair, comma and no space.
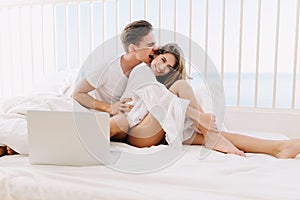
217,176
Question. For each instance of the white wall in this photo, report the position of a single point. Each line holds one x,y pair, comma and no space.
263,120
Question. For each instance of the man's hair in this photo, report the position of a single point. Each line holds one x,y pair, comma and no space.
134,32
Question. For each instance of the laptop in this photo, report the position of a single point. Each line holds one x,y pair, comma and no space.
68,138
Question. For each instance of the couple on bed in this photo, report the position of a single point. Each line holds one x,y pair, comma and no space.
150,102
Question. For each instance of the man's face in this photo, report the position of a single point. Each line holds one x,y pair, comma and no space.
145,47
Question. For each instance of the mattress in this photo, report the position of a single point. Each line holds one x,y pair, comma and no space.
214,176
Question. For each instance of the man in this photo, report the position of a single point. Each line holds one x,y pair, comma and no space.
109,82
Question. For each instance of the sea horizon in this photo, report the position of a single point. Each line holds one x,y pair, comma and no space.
265,89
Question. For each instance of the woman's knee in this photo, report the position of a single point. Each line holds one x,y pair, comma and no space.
179,85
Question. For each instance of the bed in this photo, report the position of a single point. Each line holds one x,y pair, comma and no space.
216,176
198,174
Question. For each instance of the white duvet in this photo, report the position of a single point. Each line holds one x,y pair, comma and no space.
13,124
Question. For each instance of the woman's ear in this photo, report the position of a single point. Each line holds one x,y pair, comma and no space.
131,48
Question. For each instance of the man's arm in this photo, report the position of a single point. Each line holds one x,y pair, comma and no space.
81,95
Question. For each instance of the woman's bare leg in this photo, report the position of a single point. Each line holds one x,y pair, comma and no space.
118,127
196,139
147,133
276,148
234,142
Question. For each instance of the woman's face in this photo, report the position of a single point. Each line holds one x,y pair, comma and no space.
162,64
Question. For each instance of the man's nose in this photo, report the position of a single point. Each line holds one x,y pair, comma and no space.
154,48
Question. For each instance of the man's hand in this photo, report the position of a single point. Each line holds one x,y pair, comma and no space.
121,106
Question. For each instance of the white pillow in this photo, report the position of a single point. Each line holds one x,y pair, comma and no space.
55,84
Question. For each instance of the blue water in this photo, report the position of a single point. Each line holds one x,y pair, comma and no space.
284,89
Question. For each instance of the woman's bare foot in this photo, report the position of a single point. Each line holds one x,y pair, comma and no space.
10,151
288,149
218,142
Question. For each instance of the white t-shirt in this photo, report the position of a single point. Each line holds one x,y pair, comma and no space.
109,81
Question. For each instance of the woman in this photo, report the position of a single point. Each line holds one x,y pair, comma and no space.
168,66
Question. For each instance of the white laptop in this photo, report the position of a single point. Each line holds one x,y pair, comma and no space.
68,138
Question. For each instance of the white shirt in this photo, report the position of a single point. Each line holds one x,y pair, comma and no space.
109,81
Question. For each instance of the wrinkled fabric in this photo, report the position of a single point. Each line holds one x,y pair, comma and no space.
13,122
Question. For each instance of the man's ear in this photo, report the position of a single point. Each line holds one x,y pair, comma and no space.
131,48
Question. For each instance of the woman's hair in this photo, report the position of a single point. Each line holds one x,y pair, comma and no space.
178,72
134,32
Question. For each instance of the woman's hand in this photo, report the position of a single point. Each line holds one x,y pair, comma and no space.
121,106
